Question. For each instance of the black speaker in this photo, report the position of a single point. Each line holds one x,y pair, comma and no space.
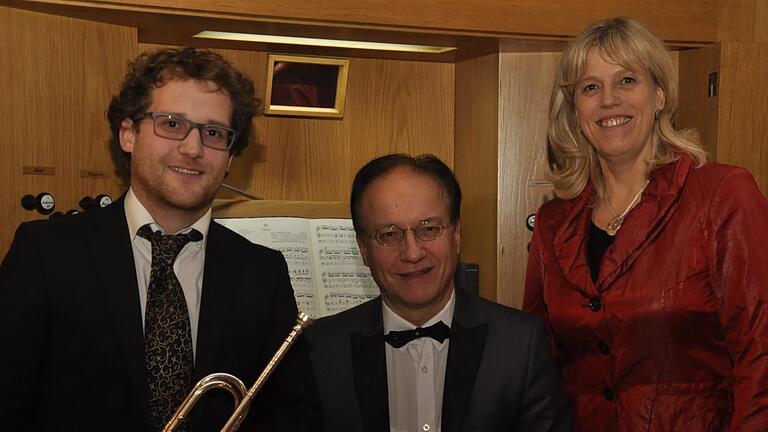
467,277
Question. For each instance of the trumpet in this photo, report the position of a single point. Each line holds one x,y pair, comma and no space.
235,386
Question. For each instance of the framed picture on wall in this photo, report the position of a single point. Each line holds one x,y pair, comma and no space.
306,86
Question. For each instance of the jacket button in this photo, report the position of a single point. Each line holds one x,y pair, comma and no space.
595,304
603,347
608,393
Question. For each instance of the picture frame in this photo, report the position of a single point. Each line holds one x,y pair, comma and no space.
306,86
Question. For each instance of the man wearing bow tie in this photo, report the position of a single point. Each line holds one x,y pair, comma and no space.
424,356
108,317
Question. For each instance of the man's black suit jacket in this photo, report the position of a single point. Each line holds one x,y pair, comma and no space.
72,340
500,375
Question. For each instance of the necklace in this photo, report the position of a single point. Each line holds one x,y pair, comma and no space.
613,226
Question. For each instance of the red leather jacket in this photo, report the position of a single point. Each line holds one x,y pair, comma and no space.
673,336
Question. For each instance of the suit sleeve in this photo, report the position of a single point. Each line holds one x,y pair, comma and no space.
739,267
545,407
23,332
290,400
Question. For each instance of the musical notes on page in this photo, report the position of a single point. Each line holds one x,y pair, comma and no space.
323,258
340,301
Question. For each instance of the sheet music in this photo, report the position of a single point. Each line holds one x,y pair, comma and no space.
289,236
324,262
344,280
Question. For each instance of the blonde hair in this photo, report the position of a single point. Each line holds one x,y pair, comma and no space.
626,42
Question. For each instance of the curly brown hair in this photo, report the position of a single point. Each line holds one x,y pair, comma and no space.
156,68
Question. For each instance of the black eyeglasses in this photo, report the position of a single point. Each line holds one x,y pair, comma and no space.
175,127
393,235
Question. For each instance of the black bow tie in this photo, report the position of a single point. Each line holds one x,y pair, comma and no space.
438,331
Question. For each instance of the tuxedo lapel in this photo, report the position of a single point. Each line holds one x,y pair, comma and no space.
465,353
218,293
110,244
370,370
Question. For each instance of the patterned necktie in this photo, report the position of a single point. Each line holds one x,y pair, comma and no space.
438,331
167,334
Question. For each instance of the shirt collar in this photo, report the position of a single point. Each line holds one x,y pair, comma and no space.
137,216
393,321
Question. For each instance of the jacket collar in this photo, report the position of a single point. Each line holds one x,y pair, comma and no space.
370,369
465,353
641,226
468,335
110,243
219,291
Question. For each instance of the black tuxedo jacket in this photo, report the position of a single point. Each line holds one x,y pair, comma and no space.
500,375
72,339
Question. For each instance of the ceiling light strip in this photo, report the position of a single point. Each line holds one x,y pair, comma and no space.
331,43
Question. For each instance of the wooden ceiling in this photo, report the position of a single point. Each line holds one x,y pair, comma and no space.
474,27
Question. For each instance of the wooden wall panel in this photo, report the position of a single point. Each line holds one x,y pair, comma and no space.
743,20
525,83
743,130
761,18
57,78
5,78
477,102
391,106
696,109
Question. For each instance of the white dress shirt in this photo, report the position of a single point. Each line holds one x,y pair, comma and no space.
416,374
188,265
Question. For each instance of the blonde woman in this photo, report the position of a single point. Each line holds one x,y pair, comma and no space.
650,266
